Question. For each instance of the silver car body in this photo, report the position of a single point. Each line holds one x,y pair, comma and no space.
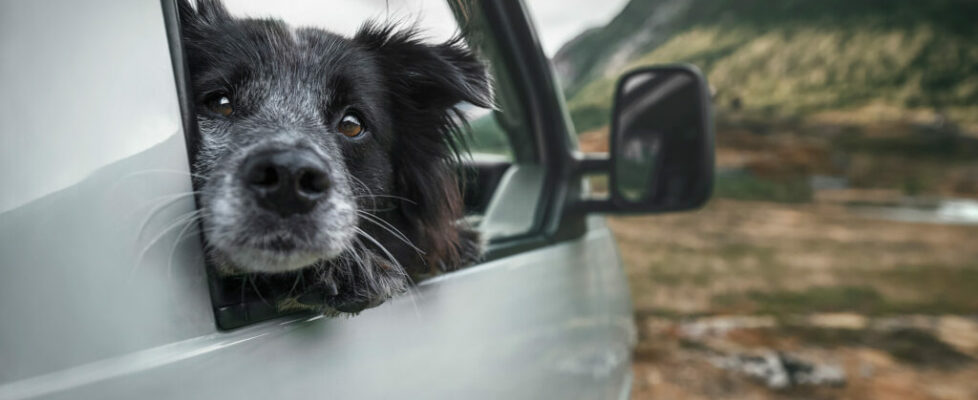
104,295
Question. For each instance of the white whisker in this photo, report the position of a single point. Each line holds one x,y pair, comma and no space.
391,229
187,218
167,201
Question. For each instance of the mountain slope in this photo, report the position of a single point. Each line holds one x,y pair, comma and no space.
788,58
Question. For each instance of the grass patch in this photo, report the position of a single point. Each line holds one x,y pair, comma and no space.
827,337
939,288
928,144
740,185
907,345
676,265
820,299
917,347
588,117
934,289
696,278
858,299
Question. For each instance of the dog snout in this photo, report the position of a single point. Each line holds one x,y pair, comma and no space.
286,181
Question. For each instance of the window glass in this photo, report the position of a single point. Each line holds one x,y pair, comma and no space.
488,137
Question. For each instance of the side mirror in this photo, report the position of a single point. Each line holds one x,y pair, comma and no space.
661,154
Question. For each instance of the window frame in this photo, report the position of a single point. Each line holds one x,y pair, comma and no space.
547,121
547,126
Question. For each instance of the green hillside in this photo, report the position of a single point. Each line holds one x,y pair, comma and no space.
790,58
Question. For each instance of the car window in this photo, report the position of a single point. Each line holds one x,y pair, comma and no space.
500,176
489,132
488,136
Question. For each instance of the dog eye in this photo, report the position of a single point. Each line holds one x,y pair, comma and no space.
350,126
220,104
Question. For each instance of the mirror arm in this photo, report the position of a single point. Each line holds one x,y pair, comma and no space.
592,163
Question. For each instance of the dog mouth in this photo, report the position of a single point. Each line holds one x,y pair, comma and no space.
259,241
279,244
279,253
266,217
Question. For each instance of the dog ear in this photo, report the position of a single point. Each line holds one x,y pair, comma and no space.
436,76
425,84
206,13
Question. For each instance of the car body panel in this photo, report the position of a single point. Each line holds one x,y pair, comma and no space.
93,148
549,323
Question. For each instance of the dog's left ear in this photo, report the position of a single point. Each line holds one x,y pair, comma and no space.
437,76
425,83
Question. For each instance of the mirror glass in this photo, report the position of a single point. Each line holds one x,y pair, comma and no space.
662,144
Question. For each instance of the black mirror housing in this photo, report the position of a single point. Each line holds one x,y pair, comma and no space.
662,153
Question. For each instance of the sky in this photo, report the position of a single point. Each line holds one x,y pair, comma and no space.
561,20
557,21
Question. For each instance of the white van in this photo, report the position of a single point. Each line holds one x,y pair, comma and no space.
105,292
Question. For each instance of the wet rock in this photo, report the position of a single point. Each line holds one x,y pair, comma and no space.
778,370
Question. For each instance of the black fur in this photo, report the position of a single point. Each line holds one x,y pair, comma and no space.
289,88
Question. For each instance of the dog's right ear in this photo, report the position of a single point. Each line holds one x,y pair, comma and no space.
207,13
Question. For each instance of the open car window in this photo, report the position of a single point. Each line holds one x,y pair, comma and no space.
491,134
501,177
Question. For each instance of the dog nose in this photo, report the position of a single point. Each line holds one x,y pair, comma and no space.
286,181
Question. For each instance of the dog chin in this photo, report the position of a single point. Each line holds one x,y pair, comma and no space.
271,261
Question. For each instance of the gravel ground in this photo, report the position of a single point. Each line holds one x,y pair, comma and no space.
891,305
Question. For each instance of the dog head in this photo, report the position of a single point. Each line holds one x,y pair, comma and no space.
311,142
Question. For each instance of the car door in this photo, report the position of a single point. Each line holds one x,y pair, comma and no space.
104,291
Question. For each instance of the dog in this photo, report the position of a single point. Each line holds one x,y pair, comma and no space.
330,158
